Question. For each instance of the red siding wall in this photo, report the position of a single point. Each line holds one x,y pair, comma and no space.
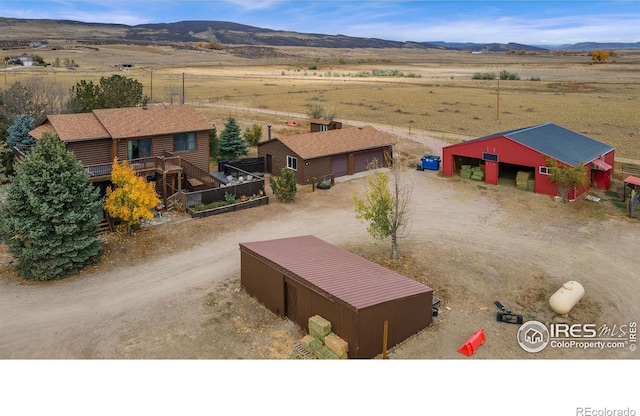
508,151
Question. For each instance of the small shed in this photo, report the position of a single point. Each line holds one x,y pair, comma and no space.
338,152
299,277
324,125
503,155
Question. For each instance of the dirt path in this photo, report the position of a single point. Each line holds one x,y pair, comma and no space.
472,243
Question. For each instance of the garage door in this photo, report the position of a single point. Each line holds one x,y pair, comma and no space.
363,159
340,165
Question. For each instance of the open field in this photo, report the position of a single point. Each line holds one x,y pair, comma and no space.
601,101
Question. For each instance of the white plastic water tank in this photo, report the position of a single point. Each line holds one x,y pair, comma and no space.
566,297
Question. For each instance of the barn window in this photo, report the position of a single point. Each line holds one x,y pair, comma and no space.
545,170
292,163
184,141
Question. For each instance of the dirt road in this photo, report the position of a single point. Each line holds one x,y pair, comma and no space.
472,243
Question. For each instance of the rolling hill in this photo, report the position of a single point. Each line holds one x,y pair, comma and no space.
18,32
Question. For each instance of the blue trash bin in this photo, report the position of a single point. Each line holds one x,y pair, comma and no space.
430,162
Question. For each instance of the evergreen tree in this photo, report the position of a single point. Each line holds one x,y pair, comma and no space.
19,132
231,143
113,92
50,217
214,144
5,162
284,187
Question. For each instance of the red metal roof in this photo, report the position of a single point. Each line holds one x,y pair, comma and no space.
634,180
334,271
601,165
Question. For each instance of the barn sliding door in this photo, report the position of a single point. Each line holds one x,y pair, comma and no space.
291,299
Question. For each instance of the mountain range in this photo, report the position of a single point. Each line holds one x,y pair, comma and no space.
17,31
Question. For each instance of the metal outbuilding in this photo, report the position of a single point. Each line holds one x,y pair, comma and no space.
299,277
527,149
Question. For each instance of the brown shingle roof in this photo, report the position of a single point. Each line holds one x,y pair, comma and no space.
152,120
325,143
340,273
72,127
122,123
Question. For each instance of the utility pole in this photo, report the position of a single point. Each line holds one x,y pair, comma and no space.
151,88
498,103
183,88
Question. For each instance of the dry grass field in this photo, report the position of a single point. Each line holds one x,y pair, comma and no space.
437,95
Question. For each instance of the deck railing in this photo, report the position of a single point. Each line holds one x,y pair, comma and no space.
144,164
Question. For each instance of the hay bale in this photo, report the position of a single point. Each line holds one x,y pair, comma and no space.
325,353
311,343
337,345
319,327
532,185
522,180
465,171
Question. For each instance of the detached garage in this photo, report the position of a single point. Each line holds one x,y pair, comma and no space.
526,150
339,152
300,277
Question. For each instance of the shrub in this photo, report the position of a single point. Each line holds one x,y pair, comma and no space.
284,187
509,76
484,75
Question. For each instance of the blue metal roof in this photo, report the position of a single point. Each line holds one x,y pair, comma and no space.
557,142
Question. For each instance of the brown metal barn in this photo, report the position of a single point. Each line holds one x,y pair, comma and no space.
299,277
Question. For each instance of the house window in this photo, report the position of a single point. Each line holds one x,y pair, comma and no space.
545,170
139,148
324,127
292,163
184,141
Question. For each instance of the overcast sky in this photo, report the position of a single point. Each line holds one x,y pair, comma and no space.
529,22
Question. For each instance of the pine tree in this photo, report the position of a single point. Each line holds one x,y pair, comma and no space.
284,187
50,217
5,162
132,197
231,143
19,132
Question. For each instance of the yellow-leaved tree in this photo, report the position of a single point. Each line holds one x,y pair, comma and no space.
131,197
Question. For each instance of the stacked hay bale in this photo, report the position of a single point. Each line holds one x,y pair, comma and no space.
323,343
477,174
523,179
465,171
